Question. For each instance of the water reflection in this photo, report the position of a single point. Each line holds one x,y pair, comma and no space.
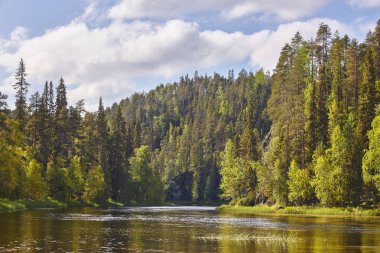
181,229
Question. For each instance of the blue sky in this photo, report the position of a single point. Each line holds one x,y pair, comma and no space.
112,48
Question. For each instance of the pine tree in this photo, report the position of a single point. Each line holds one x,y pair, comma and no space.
323,84
21,87
350,89
366,107
61,121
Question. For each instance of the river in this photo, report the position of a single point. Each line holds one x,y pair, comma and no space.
181,229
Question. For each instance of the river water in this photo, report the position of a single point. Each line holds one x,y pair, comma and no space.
181,229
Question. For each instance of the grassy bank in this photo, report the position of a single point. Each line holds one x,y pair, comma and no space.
20,205
300,210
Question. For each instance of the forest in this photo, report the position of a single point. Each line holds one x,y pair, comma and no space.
307,133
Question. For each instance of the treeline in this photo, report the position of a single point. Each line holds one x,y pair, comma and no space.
325,134
307,134
165,144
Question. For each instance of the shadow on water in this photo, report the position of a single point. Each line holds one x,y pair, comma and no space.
181,229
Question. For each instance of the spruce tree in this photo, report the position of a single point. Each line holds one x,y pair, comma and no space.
117,157
21,87
61,121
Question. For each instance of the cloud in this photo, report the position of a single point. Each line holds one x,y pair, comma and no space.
229,9
364,3
266,51
107,61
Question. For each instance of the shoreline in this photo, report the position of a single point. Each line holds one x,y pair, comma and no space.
301,211
7,205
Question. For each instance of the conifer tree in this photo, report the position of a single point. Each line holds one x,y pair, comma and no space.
323,83
366,107
61,120
117,157
102,143
21,87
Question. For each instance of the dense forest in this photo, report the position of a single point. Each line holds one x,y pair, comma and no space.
308,133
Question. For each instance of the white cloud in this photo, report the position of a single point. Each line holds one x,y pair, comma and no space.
266,51
364,3
282,10
230,9
107,61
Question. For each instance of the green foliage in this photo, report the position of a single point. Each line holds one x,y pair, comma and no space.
235,173
9,164
302,210
34,185
57,177
146,178
280,187
251,138
95,185
371,159
75,181
300,190
331,171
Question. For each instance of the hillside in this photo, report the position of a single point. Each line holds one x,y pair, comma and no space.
307,133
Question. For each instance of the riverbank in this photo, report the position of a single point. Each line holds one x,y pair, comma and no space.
300,210
7,205
20,205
